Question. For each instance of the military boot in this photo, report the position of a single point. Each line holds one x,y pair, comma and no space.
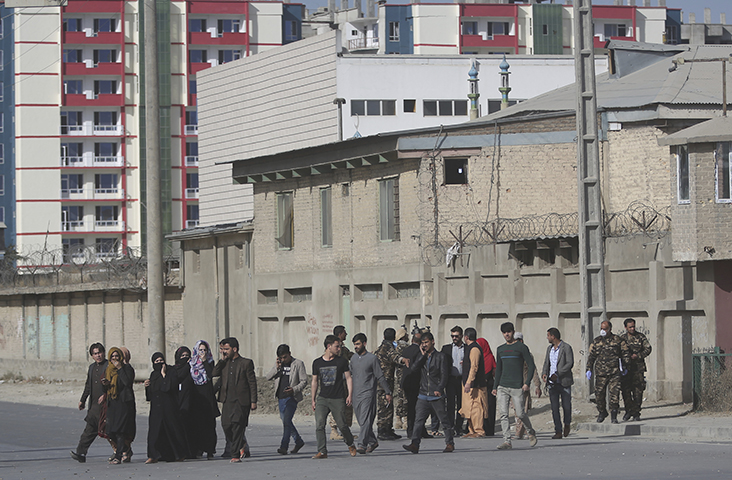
383,435
614,416
601,417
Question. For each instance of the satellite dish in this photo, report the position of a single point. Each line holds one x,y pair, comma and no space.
356,121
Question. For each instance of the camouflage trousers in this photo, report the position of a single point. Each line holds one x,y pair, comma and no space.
400,400
633,385
384,412
611,383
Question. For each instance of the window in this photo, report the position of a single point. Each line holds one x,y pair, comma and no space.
106,247
71,153
495,105
2,122
682,174
72,248
229,55
198,56
545,29
498,28
373,107
105,183
191,185
456,171
615,30
285,221
2,153
197,25
326,228
291,31
410,106
70,122
105,87
105,56
104,25
445,108
72,216
72,183
192,87
73,87
105,152
72,56
105,120
106,215
470,28
2,59
191,117
192,217
2,209
393,31
2,184
672,35
228,26
191,154
72,24
723,174
389,209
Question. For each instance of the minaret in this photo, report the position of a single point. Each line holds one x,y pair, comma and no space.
473,95
504,88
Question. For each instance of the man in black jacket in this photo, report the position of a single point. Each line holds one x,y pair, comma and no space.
433,367
410,380
454,353
93,390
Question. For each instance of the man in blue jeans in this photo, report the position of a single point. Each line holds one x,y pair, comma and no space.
290,380
557,373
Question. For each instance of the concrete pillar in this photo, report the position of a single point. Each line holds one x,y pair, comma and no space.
331,9
370,9
357,6
344,4
646,3
707,16
631,3
661,3
723,18
692,17
617,2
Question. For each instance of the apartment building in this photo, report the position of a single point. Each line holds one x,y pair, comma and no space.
73,138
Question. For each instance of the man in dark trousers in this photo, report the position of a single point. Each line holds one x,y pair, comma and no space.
557,373
410,379
238,394
455,352
93,390
433,368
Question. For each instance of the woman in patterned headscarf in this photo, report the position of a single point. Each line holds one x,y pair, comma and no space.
118,381
204,408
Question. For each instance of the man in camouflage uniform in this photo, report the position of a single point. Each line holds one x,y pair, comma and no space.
340,332
389,360
400,400
634,383
606,352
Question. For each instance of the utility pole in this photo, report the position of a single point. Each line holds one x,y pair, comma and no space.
590,218
155,286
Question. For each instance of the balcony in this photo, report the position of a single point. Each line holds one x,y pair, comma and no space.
107,225
89,130
89,160
195,67
90,37
192,161
191,223
91,100
495,41
192,193
214,38
107,194
87,67
73,226
72,193
363,43
191,129
600,41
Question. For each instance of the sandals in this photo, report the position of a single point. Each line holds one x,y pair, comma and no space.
127,457
115,461
437,434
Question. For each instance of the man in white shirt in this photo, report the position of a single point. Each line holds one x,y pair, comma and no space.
557,373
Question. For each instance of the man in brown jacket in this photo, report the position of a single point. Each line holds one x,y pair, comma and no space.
238,394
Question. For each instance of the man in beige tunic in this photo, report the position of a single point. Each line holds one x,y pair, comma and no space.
475,392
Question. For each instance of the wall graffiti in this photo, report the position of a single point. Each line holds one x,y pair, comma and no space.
313,332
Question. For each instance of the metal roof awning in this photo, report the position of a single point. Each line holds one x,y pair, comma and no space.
715,130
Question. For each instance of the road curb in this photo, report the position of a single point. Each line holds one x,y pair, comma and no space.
650,430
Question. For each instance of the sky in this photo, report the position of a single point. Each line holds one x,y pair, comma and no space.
696,6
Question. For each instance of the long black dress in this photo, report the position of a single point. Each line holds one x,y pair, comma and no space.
121,411
185,387
204,411
165,437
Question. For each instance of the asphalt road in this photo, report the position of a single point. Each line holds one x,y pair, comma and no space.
35,443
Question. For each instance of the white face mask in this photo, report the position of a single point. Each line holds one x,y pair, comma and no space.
603,333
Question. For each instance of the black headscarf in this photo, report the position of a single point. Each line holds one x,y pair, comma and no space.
157,366
179,355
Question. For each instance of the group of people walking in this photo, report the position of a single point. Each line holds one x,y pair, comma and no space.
464,382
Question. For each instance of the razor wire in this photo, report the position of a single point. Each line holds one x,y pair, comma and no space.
107,266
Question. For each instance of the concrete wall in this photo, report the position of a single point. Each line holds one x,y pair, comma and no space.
48,333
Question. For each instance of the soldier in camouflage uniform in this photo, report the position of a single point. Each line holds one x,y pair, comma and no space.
400,400
606,352
389,360
340,332
634,383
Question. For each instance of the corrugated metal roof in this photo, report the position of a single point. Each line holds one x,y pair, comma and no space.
715,130
689,84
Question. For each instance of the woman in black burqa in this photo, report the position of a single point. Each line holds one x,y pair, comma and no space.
118,380
165,437
185,392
